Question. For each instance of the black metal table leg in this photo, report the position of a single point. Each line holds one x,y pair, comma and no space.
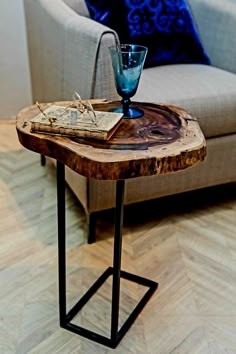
61,224
119,211
43,160
115,272
91,225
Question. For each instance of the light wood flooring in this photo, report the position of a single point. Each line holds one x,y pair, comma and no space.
186,243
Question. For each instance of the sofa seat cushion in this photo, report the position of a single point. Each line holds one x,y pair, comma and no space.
206,92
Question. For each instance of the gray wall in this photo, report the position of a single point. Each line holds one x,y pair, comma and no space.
15,88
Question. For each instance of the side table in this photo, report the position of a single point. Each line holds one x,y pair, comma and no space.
165,140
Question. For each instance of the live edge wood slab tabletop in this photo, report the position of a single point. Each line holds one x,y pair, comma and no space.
166,139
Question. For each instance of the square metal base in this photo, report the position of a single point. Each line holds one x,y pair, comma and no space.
109,342
115,272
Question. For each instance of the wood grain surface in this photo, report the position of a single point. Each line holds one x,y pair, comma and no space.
159,125
166,139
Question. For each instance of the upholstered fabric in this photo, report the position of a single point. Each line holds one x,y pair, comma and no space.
104,86
79,6
216,23
64,50
208,93
166,27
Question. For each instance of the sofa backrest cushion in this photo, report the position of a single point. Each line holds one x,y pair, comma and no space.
166,27
79,6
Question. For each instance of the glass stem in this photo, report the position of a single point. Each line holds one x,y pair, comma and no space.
125,102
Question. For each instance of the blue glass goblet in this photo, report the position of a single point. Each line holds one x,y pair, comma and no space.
127,62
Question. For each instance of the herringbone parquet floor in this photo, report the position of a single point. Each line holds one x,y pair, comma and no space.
187,243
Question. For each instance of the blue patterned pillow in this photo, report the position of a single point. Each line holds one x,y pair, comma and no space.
101,11
166,27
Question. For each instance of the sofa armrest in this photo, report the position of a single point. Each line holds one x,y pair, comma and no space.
67,52
216,22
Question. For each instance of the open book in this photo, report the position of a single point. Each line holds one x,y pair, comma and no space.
72,123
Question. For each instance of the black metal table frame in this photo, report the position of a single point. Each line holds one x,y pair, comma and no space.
115,272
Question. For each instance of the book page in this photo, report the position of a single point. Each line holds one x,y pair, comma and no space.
73,119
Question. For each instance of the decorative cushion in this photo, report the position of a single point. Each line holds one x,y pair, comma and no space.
102,11
166,27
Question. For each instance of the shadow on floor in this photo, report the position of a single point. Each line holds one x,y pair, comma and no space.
164,208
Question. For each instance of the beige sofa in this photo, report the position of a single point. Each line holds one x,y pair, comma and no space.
69,52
